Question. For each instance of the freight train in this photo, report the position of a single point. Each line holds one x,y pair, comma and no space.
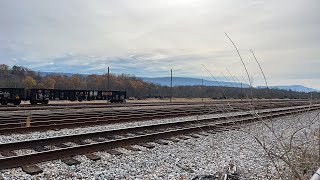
43,96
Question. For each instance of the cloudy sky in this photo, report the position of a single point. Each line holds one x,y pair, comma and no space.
150,37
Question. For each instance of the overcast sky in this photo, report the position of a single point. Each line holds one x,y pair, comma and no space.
150,37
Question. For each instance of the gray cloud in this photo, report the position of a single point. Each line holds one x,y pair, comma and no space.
149,37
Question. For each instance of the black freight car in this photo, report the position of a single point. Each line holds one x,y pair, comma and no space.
116,96
11,95
43,96
72,95
38,95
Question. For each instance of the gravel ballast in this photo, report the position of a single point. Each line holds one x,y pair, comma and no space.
206,155
65,132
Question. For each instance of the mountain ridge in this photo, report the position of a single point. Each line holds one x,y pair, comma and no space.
186,81
297,88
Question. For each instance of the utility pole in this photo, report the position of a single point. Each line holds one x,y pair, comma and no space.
202,90
171,88
108,79
241,92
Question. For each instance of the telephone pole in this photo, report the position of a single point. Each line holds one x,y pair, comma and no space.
202,90
108,79
241,92
171,87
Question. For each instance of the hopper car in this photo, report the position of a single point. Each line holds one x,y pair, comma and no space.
43,96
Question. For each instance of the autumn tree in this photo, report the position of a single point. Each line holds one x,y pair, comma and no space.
29,82
3,71
47,83
75,81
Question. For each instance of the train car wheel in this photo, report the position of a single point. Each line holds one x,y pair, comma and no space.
45,102
33,102
17,102
4,102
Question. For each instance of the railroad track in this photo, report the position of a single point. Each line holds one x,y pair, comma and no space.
126,137
83,106
28,107
20,123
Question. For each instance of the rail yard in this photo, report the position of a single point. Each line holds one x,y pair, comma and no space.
82,137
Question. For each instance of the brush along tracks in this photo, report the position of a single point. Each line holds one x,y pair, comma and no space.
19,123
142,135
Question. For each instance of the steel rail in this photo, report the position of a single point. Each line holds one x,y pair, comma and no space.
71,120
54,121
163,132
108,105
82,106
63,114
61,139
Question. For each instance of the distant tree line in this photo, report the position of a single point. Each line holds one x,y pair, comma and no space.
18,76
238,93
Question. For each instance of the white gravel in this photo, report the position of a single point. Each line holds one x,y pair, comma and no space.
184,159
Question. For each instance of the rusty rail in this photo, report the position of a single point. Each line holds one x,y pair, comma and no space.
141,134
17,123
